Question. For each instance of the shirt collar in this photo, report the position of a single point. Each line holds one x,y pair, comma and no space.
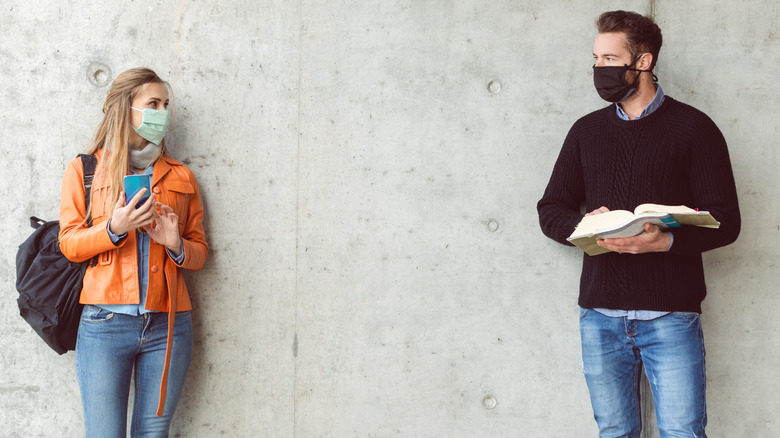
148,171
649,109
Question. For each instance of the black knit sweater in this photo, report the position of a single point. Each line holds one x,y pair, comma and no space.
674,156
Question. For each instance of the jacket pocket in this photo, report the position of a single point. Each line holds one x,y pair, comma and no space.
180,193
99,208
99,199
180,187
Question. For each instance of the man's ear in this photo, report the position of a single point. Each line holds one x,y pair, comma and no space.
645,61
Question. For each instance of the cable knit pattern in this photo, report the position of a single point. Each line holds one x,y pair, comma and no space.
674,156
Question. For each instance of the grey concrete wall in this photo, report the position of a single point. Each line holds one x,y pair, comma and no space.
376,266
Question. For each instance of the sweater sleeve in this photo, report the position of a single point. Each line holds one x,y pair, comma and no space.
559,208
713,189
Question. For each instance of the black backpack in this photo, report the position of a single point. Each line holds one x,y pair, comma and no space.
49,284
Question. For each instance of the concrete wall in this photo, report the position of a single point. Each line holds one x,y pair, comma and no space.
370,171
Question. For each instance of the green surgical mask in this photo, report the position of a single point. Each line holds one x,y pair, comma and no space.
153,124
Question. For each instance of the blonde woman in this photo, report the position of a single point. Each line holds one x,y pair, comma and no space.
136,318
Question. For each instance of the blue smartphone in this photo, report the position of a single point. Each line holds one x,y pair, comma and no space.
134,184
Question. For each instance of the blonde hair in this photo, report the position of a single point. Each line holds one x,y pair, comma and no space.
113,132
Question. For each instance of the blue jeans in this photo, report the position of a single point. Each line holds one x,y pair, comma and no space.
110,347
671,349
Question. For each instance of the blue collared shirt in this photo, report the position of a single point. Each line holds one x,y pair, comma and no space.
142,244
643,315
658,99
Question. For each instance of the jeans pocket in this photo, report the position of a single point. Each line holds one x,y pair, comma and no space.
584,312
95,315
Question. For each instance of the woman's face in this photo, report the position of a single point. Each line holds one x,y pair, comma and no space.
153,95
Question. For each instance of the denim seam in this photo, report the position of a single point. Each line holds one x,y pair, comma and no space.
136,403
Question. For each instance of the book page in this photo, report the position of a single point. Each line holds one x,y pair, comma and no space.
647,208
636,225
682,214
589,224
699,218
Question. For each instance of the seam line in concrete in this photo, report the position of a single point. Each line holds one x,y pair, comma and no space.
297,221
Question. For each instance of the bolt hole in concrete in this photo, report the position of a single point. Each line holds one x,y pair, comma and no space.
489,402
98,74
494,87
492,225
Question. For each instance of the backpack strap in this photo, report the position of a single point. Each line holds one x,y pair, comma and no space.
36,222
89,162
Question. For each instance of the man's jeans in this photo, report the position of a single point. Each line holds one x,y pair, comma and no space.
672,350
110,347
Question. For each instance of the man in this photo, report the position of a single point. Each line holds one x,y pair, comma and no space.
640,303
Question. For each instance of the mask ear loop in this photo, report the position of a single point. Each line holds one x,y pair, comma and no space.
655,78
628,67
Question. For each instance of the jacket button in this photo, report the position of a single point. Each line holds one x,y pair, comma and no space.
156,190
154,268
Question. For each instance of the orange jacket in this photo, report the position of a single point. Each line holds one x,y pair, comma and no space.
114,280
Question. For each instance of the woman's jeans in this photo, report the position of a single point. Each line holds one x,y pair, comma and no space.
110,347
671,348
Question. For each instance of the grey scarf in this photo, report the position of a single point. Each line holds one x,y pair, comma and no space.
142,158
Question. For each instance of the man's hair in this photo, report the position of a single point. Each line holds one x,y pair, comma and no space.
642,34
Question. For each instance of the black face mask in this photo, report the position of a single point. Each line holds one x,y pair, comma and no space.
611,82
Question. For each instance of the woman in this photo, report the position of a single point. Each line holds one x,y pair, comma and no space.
136,317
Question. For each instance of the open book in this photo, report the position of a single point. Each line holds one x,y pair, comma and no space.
622,223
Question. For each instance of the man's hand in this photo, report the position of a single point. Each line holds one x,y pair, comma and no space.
652,240
599,210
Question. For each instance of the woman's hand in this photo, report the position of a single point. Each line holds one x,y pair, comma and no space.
165,229
127,218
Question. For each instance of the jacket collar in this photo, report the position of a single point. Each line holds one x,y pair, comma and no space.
162,166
